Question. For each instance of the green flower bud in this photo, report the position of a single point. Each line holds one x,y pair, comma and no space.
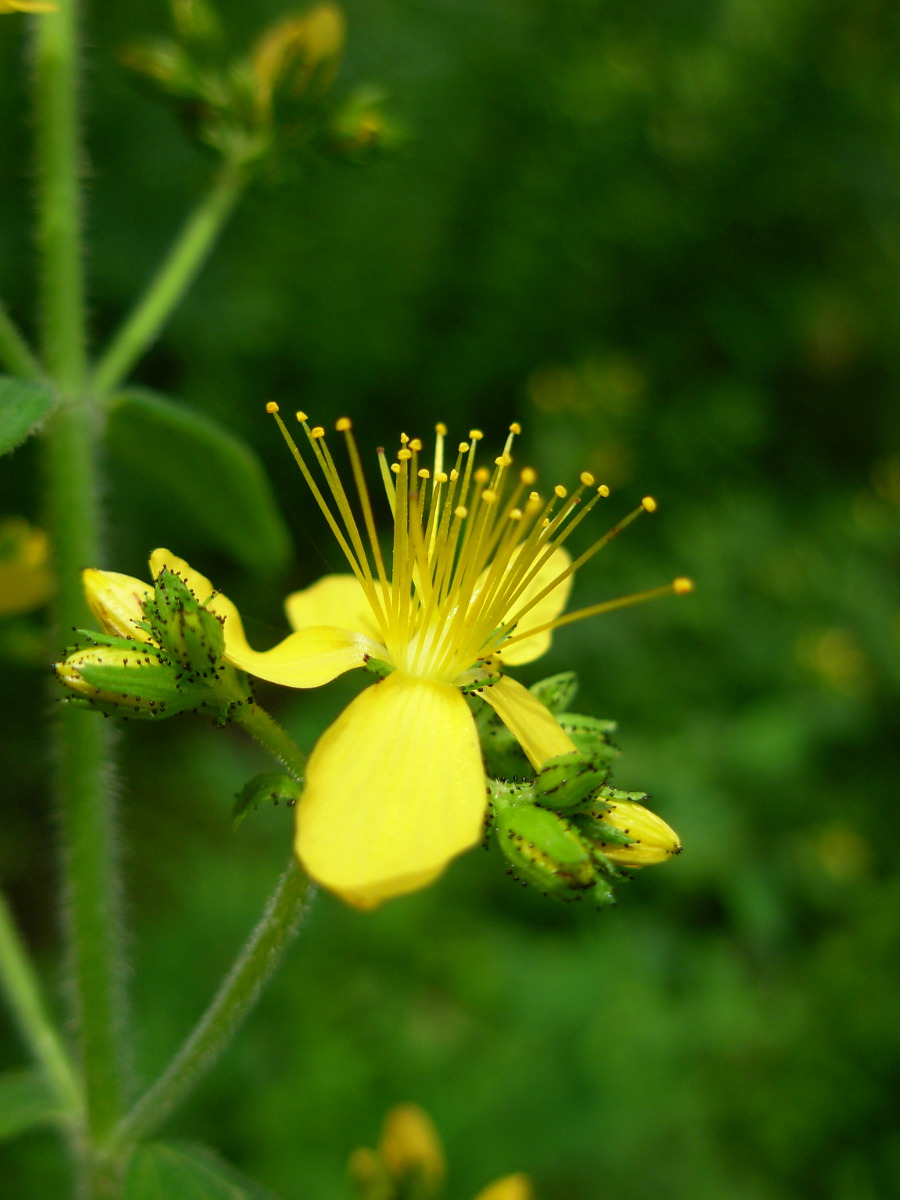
545,850
131,677
568,779
590,735
184,628
556,692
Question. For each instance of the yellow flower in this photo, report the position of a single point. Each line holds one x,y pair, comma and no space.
409,1163
395,788
28,6
25,578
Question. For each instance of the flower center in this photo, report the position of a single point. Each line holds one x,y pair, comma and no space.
474,549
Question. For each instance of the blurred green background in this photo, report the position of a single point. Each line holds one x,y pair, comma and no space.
664,236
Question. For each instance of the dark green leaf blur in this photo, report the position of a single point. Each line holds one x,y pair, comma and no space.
665,236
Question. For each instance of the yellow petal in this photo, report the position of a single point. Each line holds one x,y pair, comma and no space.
534,727
395,788
307,658
337,600
545,610
510,1187
116,600
25,578
28,6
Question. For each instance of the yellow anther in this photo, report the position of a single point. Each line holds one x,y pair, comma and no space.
271,407
560,491
476,435
454,475
395,467
515,514
682,586
515,427
301,417
504,460
586,478
528,475
648,504
404,454
416,444
440,477
534,497
343,424
424,473
488,496
317,432
545,523
461,511
603,490
482,475
464,447
404,438
440,429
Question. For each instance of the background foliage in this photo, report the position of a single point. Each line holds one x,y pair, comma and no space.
665,236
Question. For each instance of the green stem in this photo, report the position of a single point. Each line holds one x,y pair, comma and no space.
172,280
269,734
234,1000
83,748
26,1003
15,353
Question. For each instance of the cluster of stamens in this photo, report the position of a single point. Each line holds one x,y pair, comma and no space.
468,545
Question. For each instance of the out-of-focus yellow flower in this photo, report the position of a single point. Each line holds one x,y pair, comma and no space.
289,55
25,578
409,1163
28,6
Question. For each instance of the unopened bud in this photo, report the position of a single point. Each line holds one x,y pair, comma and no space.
649,839
568,779
545,850
556,692
25,579
117,601
184,627
298,54
137,679
411,1150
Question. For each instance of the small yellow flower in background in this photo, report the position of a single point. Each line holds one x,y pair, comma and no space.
479,575
291,53
409,1163
25,578
28,6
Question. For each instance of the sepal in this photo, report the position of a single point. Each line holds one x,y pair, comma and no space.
269,787
184,628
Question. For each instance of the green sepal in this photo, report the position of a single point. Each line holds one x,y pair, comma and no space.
556,692
270,787
590,735
379,667
568,779
26,1101
184,628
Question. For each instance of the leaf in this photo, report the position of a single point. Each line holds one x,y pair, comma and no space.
170,1170
23,406
25,1101
188,459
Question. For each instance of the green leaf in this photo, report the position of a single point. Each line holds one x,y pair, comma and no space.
188,459
170,1170
23,406
25,1101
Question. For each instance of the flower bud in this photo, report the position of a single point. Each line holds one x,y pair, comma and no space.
567,779
297,55
647,837
556,692
545,850
184,627
25,579
591,735
133,677
411,1151
117,602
